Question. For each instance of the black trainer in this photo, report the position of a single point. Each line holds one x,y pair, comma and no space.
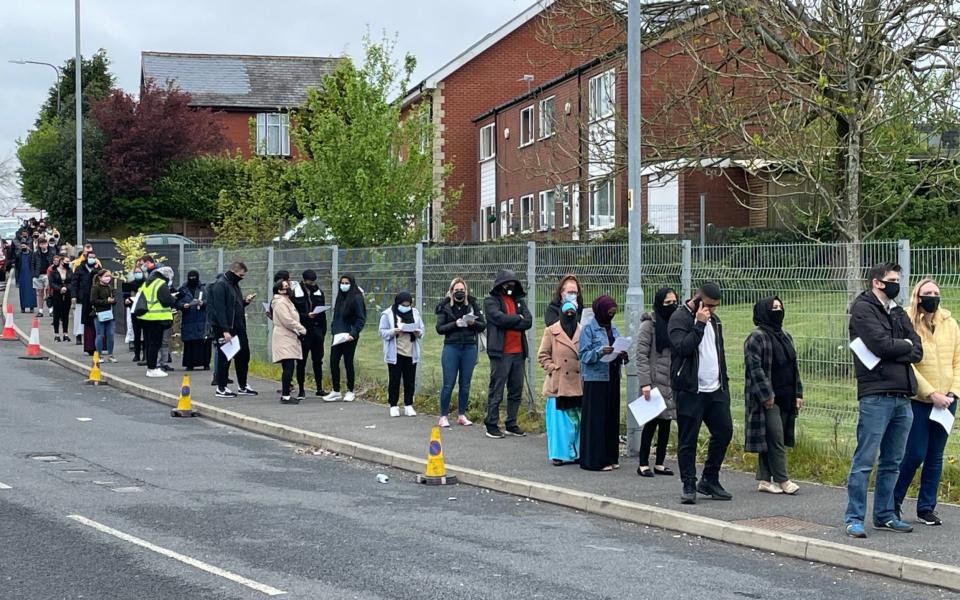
301,395
322,392
928,517
246,391
714,490
226,393
494,432
514,430
689,495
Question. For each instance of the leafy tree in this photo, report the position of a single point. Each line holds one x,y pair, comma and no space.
145,134
260,203
190,189
96,79
367,178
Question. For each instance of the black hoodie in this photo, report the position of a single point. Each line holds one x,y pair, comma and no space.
498,321
885,334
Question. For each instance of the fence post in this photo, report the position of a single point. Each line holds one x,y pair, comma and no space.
219,261
334,271
418,302
182,267
269,298
903,259
686,269
532,332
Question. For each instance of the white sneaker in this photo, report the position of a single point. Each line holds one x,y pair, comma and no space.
332,397
394,411
40,313
769,488
789,487
444,422
349,397
409,412
156,373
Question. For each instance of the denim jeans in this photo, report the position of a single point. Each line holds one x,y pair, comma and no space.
925,445
882,428
457,360
104,339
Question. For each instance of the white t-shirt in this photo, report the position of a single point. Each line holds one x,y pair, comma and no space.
709,374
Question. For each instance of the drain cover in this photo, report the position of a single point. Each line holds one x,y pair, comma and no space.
785,524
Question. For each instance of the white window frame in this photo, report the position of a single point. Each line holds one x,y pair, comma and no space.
490,132
566,206
489,229
510,216
600,221
602,95
527,224
526,133
270,121
547,125
547,204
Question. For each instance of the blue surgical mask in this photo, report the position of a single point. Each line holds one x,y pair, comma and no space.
344,287
404,309
571,297
91,261
138,275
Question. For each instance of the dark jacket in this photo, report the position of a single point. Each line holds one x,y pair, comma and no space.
225,307
99,297
40,261
57,282
758,388
447,316
130,288
82,280
552,313
685,335
498,321
653,367
304,300
885,334
193,322
349,315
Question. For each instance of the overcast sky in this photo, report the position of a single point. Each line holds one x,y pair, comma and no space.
43,30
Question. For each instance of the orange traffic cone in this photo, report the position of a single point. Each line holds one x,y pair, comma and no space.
436,473
9,335
184,406
33,347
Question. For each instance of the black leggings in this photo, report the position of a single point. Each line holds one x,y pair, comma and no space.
345,351
646,437
137,335
286,379
153,339
405,369
61,314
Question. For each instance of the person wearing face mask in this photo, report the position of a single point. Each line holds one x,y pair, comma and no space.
568,290
938,385
40,261
884,393
600,415
191,301
84,254
507,319
157,317
773,395
401,329
60,280
28,294
226,319
653,371
131,291
460,321
83,277
285,338
55,239
102,301
307,296
562,386
349,317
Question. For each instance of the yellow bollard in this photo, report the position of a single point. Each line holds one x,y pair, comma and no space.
95,377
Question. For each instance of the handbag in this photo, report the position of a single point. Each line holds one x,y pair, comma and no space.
105,315
140,305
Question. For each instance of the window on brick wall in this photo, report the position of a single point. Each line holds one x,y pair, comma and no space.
273,134
488,141
602,92
526,213
548,209
602,213
546,117
526,126
565,206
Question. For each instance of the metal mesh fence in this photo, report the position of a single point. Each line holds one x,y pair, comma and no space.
380,272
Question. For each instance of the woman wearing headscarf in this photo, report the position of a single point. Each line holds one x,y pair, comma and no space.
401,329
773,395
190,301
600,416
287,331
562,386
568,290
653,371
349,317
24,260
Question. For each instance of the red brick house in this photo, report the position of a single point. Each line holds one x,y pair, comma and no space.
241,89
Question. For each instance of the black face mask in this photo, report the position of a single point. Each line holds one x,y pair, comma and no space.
776,318
930,303
193,280
666,311
459,296
891,289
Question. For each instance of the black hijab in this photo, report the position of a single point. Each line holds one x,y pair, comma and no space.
193,281
568,323
783,350
403,317
662,338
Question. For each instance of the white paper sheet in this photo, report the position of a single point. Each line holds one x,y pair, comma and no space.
319,309
645,411
266,306
469,319
231,348
942,416
868,358
621,344
340,338
410,327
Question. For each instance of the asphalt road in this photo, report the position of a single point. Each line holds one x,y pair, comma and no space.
129,503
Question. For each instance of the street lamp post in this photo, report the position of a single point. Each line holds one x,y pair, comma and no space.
54,67
634,300
78,98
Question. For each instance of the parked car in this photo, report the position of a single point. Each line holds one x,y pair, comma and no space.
168,239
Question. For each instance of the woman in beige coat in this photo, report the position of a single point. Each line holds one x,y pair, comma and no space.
563,387
286,337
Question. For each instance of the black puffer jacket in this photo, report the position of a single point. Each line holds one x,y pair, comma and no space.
40,261
686,333
305,299
225,307
447,316
885,334
499,321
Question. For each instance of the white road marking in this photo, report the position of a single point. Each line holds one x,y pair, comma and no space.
4,486
266,589
84,419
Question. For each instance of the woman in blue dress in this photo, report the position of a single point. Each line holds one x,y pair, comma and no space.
28,296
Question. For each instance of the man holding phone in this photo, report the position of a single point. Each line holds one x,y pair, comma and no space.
227,319
701,390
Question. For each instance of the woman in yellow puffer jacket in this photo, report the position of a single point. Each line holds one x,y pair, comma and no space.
938,385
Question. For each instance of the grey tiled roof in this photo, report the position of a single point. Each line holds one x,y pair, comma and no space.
238,81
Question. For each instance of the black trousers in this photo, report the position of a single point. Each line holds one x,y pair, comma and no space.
152,340
505,371
312,346
404,370
646,438
241,363
286,378
61,313
345,351
137,335
712,409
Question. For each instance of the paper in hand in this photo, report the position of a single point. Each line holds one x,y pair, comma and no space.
266,306
621,344
319,309
231,348
942,416
340,338
868,358
410,327
645,410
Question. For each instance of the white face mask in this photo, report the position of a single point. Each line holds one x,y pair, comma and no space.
344,287
570,297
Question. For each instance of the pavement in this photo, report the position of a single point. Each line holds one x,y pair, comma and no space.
808,525
227,514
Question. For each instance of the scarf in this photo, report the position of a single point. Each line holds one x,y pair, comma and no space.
783,350
568,323
601,313
400,317
662,319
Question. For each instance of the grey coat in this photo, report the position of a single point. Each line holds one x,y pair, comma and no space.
653,368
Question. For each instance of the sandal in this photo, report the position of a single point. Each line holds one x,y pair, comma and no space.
644,472
607,468
662,470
